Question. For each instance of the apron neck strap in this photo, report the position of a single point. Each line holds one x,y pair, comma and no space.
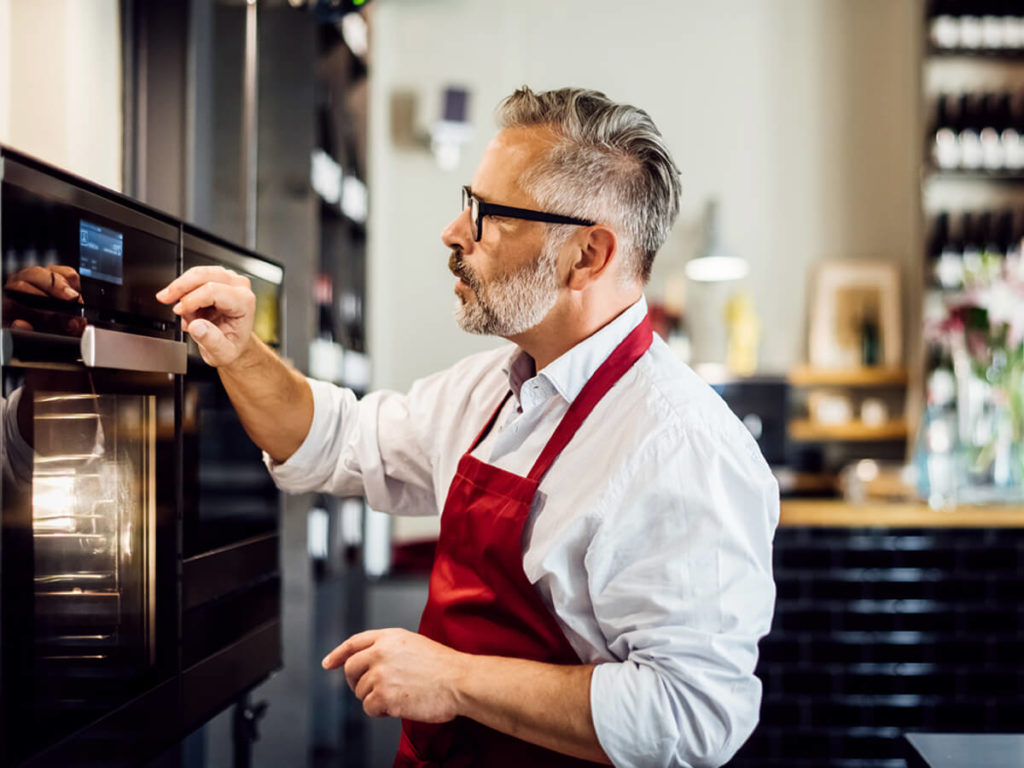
611,370
490,422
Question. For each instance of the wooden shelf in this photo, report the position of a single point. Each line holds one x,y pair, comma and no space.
979,175
999,54
876,376
805,430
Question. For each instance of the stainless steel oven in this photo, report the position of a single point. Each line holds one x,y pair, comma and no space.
139,578
91,462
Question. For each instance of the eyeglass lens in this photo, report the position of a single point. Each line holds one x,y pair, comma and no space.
468,201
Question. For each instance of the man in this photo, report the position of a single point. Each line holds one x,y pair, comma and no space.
603,570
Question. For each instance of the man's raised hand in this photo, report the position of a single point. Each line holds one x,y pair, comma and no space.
217,307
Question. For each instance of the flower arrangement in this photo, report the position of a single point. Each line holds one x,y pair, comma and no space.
980,329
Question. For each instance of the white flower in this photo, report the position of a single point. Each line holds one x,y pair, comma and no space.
999,300
1005,306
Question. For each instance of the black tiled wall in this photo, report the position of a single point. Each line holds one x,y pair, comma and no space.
882,631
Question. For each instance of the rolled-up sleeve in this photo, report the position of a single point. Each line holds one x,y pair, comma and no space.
372,447
398,450
681,583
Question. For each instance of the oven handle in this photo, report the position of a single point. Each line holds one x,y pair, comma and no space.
98,348
129,352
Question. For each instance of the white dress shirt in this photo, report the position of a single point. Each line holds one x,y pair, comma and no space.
650,537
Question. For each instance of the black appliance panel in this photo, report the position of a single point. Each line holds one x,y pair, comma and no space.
122,256
763,407
229,495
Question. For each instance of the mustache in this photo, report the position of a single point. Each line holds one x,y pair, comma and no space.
460,269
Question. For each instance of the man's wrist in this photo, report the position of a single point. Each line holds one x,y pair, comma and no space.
461,672
251,356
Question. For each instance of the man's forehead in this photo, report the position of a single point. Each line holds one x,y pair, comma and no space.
511,153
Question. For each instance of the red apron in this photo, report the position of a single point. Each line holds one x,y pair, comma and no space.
480,600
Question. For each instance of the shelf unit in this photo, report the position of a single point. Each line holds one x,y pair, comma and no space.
885,383
807,430
972,216
820,450
809,376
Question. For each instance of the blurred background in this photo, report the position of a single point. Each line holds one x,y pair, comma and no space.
846,270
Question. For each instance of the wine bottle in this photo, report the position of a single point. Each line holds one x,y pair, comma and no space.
993,155
944,27
993,35
1012,135
870,352
946,149
949,267
936,245
971,253
970,28
969,139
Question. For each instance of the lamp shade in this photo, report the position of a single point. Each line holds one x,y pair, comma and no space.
715,264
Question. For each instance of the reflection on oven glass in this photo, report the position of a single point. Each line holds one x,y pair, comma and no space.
92,514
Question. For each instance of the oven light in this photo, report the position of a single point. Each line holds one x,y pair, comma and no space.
52,500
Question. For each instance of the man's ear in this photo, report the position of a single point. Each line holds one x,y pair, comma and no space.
594,251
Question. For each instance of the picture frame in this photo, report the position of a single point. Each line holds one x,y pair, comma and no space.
849,296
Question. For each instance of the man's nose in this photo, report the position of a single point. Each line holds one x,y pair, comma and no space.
459,232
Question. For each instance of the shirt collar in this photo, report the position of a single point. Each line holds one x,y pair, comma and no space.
570,372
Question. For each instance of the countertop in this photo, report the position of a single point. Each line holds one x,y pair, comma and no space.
826,513
966,750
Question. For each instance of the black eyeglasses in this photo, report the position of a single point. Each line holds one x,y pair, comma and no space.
478,209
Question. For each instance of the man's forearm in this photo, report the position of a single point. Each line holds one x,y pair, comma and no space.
273,400
545,704
404,674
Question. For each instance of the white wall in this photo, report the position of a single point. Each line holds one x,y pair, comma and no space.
799,116
60,84
5,68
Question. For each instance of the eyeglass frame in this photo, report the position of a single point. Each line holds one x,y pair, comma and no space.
510,212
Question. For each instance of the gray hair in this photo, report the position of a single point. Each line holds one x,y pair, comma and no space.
610,164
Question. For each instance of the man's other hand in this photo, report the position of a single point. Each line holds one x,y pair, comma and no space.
56,282
400,674
217,307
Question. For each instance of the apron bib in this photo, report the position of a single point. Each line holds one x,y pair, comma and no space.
481,601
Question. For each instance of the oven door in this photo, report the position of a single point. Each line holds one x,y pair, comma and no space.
88,592
230,498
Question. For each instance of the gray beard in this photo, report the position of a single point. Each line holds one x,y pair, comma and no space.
513,303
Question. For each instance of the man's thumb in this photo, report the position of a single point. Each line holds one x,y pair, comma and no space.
214,347
197,329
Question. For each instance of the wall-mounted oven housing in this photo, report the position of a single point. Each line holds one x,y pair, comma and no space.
102,574
231,587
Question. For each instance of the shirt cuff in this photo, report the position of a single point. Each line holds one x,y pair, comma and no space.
629,742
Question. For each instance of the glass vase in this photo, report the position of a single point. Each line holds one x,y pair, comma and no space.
991,431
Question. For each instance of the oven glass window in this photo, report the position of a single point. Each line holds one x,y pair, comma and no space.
89,499
93,526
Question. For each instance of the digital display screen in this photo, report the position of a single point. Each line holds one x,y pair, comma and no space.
100,252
